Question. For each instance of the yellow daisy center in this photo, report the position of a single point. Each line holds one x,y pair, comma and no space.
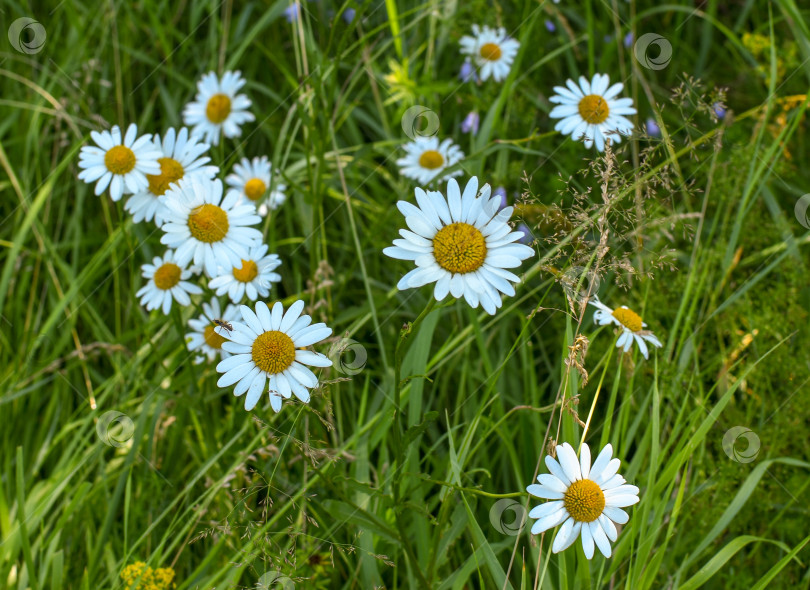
584,500
273,352
213,339
218,108
170,171
431,159
459,248
167,276
594,109
208,223
247,273
490,51
628,318
119,159
254,189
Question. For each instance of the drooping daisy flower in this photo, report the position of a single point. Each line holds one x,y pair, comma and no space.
492,51
268,346
251,179
253,277
592,111
120,163
181,157
630,323
586,499
217,108
205,336
167,282
203,227
462,243
426,158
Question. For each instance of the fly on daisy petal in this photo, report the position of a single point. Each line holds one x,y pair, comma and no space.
167,283
630,323
217,108
203,227
462,243
491,50
268,349
425,159
205,336
251,179
252,278
181,156
120,163
592,111
586,499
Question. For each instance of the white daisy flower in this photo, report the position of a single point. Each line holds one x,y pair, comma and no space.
592,111
203,227
167,282
462,243
268,347
492,51
630,323
120,163
217,108
205,336
181,157
426,158
253,277
251,179
586,499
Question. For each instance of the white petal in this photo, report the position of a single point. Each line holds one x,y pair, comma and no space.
541,492
566,535
568,461
585,460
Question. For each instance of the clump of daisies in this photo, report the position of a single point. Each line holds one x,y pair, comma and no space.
491,50
632,328
217,108
251,179
426,159
269,349
462,243
585,499
119,163
591,111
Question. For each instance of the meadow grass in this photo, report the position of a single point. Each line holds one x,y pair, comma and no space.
694,228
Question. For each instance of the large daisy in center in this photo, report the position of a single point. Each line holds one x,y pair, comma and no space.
463,244
269,348
204,227
591,111
585,499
